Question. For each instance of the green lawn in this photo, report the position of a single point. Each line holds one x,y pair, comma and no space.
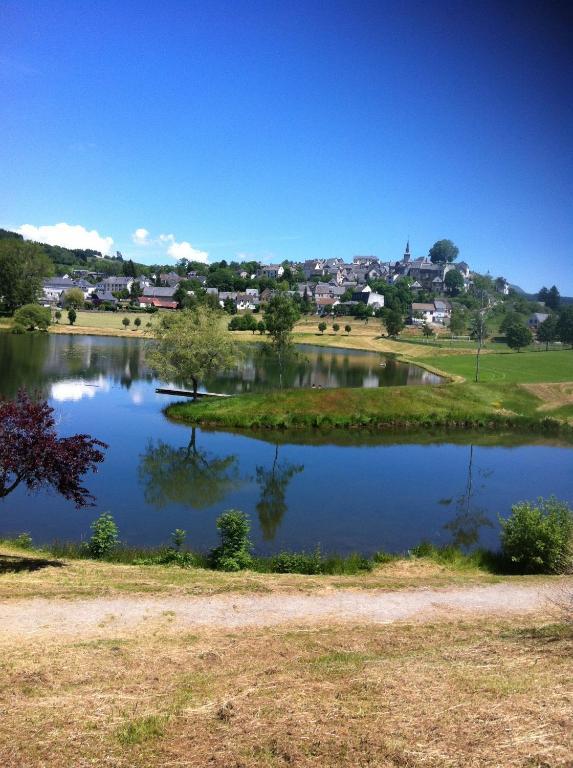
454,406
514,367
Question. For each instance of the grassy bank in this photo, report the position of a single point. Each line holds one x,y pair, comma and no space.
460,406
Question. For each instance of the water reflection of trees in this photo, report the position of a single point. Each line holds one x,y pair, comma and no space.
273,483
186,475
465,526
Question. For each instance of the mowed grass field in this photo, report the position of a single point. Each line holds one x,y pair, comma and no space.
510,367
105,323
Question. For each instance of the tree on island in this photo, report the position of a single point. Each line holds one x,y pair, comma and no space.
348,328
443,251
191,345
72,315
32,454
518,336
322,327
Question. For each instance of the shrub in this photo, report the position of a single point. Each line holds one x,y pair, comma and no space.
104,538
297,562
23,541
32,316
18,329
538,538
234,552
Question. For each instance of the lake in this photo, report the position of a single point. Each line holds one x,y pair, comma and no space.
344,492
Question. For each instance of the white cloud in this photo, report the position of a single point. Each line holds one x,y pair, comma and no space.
183,250
68,236
141,236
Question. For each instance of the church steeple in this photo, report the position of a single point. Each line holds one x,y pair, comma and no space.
407,251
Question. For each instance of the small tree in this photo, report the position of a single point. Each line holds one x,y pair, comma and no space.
74,298
32,316
261,327
137,322
234,551
58,315
125,322
31,452
348,328
518,336
335,327
394,322
322,327
457,322
427,330
72,315
104,538
538,538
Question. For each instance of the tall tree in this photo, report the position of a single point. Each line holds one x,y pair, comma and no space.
553,299
32,454
565,326
23,266
191,345
393,321
454,282
547,331
542,295
281,315
74,298
518,336
443,251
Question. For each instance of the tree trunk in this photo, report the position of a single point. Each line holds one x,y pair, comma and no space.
195,384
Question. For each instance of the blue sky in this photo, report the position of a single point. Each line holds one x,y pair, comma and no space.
293,130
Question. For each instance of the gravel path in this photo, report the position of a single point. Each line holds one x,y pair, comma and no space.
106,616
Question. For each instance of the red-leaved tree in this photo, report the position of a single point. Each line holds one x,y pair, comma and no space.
33,454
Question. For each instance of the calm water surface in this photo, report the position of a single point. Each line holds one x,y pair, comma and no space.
361,495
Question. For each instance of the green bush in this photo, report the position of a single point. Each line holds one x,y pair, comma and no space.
234,552
309,563
18,329
104,538
32,316
538,538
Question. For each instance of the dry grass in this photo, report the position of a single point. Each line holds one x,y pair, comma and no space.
443,695
552,395
33,576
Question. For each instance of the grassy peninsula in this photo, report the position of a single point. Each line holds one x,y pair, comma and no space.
527,391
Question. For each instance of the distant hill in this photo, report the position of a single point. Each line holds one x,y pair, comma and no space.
66,258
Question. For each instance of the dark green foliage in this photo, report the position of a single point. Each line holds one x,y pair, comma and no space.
553,299
244,322
281,315
518,336
347,328
443,251
125,321
18,329
234,551
22,269
538,538
261,327
104,538
394,322
72,316
322,327
454,282
547,331
335,327
137,322
32,316
565,326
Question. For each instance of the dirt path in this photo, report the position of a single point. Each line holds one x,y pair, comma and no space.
39,617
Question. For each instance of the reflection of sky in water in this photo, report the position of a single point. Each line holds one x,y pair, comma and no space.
77,389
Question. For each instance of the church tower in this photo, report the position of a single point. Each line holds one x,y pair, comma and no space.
406,256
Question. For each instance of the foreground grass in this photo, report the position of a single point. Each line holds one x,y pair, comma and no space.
33,573
449,694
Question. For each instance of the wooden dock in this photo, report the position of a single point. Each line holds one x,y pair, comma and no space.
187,393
